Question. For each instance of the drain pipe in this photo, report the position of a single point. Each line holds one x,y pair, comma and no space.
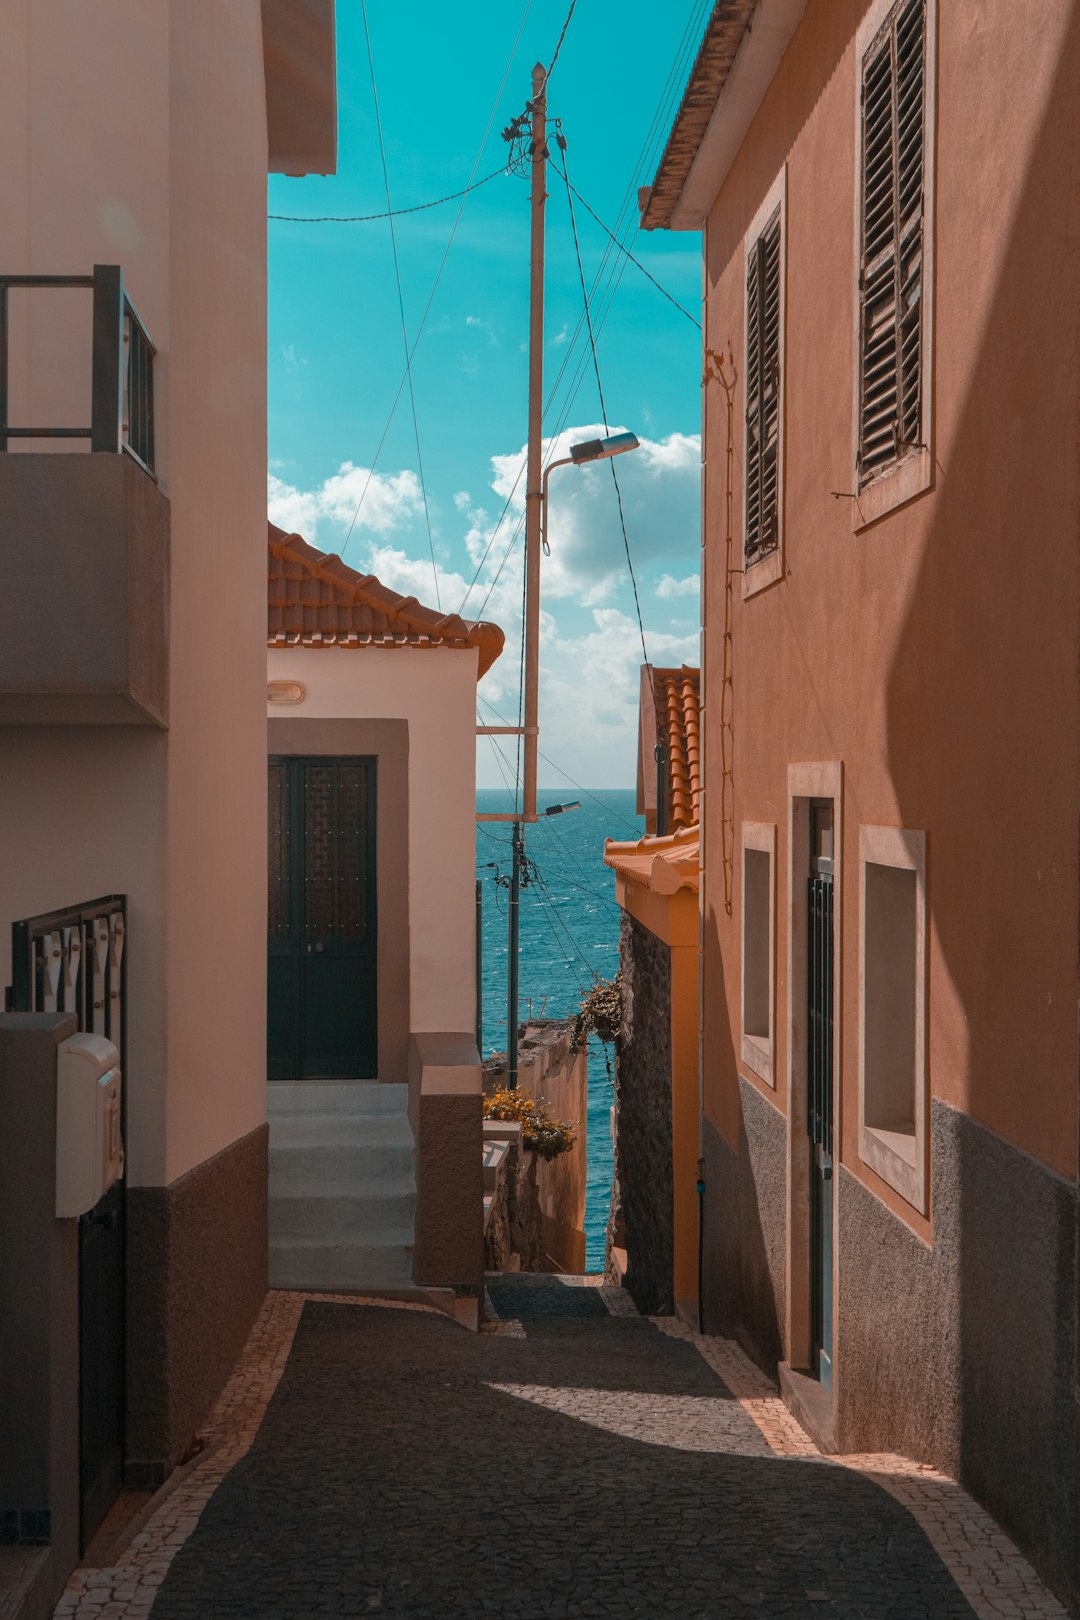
701,1246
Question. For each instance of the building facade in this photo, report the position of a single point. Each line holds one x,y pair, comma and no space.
375,1100
887,196
137,141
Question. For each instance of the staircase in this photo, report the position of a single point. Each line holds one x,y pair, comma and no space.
342,1185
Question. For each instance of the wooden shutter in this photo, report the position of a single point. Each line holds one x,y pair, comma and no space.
890,271
763,267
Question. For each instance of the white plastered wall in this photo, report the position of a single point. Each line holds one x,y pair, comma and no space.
434,691
136,134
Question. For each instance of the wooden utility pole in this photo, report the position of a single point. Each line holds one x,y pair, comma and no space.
534,465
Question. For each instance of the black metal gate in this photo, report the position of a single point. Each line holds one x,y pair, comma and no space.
74,961
321,946
819,1088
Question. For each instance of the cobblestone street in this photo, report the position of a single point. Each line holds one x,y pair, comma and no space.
573,1459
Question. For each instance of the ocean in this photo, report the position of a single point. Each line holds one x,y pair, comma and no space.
569,928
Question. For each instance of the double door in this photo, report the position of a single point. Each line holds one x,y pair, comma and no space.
321,948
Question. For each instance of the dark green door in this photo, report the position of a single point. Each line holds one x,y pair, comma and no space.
321,972
819,1088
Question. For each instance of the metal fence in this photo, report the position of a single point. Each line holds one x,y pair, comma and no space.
73,961
122,389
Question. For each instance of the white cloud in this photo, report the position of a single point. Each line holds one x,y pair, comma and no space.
462,500
660,486
667,586
387,501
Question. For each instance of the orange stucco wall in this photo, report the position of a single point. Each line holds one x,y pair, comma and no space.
935,652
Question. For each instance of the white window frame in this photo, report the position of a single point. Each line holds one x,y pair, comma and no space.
766,570
899,1160
914,474
759,1054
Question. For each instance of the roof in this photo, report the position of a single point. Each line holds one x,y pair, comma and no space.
744,43
316,600
671,707
662,865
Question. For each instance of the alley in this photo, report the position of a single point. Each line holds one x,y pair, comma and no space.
571,1460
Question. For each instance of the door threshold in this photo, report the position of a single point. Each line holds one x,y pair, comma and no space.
811,1406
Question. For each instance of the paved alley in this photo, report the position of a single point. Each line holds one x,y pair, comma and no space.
573,1459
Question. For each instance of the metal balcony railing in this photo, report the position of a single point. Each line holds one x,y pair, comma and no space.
122,387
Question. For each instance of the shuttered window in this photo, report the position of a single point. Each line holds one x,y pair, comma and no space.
893,110
763,268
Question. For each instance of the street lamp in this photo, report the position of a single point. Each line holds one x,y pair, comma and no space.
580,454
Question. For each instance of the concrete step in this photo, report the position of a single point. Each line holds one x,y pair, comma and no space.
319,1266
289,1097
296,1130
378,1214
322,1168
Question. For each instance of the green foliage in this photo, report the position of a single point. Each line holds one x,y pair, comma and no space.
600,1012
540,1133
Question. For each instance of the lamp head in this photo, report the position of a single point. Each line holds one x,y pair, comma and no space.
603,449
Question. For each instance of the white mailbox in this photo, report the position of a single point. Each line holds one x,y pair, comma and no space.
89,1153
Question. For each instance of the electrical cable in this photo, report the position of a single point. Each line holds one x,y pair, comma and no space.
558,47
623,249
587,792
401,310
442,267
395,213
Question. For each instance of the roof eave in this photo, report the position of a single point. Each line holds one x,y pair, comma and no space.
767,35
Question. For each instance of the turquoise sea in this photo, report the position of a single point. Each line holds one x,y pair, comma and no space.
569,925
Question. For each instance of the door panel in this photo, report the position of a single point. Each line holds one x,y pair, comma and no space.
819,1088
321,982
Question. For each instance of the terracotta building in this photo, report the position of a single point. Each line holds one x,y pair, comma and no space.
887,195
654,1225
136,144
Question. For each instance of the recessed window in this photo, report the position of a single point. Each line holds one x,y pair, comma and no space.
758,946
895,49
892,1060
763,514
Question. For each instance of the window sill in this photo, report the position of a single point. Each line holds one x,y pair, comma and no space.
911,477
764,572
757,1055
897,1158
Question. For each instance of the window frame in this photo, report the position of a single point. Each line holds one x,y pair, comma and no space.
759,1055
913,473
903,1169
768,566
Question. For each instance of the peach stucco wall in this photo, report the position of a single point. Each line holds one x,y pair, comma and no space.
136,134
935,652
434,691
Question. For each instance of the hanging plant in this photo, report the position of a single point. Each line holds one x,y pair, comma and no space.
600,1012
540,1134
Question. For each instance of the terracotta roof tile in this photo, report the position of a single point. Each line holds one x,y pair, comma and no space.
677,694
663,865
727,28
316,600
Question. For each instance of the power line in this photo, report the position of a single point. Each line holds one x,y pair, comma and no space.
442,267
401,307
562,36
603,405
394,213
623,249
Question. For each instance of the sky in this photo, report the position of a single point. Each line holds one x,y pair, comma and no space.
355,476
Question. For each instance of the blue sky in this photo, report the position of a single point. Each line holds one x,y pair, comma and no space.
336,355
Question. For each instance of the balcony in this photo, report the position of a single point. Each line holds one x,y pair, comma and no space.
84,531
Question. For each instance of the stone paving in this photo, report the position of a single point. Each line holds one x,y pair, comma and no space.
574,1459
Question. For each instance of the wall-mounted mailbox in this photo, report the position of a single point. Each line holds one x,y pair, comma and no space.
89,1153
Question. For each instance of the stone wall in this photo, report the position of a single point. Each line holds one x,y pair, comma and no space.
548,1068
643,1193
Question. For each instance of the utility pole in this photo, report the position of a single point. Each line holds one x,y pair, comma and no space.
534,466
533,527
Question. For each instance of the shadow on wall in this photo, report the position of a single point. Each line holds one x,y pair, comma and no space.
1002,876
745,1197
